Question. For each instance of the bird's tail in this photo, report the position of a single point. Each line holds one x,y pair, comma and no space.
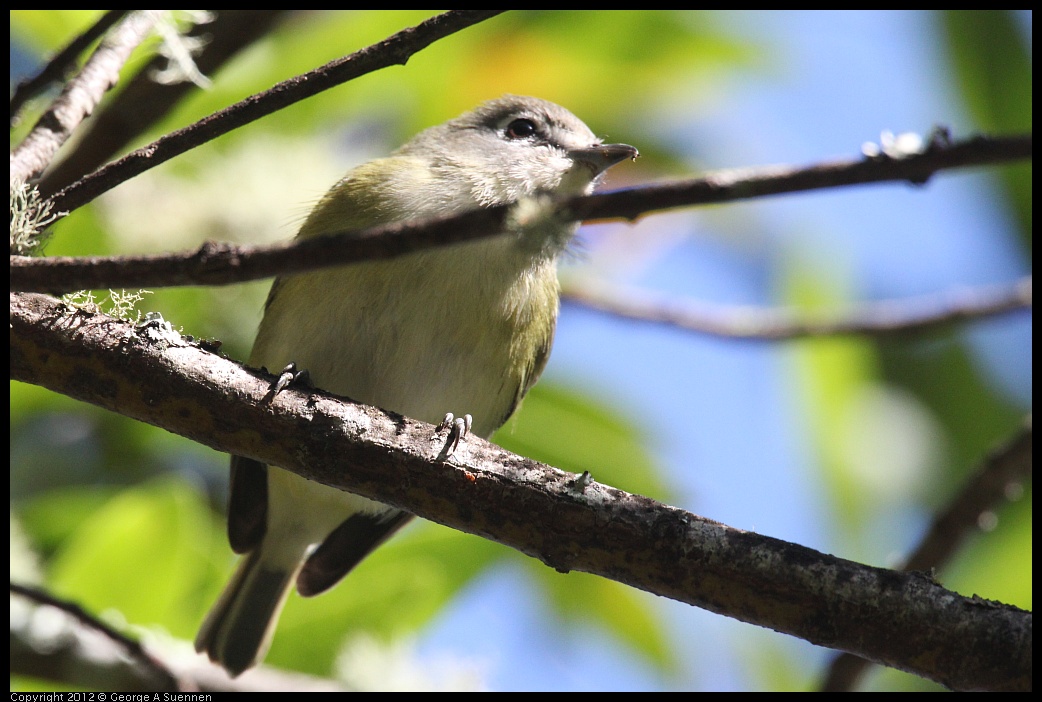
237,632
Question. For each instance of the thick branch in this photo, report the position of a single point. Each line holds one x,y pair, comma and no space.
903,620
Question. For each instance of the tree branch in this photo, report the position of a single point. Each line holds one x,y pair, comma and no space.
395,50
147,673
222,264
80,96
999,478
93,655
62,62
225,264
745,183
144,101
905,620
876,318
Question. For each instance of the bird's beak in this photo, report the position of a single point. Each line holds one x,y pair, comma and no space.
603,156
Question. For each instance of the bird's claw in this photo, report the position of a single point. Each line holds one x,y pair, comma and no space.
457,428
289,376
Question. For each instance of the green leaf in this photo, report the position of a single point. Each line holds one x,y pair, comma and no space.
143,553
575,433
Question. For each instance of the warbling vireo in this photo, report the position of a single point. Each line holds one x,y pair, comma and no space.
464,328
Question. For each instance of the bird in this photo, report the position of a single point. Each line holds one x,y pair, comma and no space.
466,327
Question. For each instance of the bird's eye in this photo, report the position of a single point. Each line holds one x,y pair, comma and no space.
520,129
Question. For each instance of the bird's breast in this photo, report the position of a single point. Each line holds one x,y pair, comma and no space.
424,334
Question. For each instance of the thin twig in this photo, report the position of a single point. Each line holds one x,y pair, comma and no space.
79,97
395,50
746,183
133,649
62,63
998,479
875,318
224,264
144,101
